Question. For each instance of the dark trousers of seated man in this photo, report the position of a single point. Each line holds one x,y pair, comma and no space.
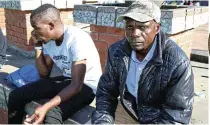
47,89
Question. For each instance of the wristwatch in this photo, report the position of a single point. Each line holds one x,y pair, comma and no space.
38,47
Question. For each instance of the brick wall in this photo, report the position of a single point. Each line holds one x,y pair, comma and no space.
2,20
18,28
105,36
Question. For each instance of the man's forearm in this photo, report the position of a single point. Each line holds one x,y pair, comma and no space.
41,64
64,95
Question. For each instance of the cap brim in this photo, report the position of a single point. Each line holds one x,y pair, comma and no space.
135,16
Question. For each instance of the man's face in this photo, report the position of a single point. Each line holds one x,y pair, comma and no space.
42,31
140,35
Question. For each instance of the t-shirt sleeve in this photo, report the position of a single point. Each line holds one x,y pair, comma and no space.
79,49
45,51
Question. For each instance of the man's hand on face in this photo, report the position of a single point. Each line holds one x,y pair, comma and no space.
35,41
37,117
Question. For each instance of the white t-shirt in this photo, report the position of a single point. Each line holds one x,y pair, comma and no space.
77,45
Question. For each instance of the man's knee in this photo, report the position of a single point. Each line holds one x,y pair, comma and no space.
15,96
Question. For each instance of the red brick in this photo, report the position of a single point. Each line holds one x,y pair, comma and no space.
98,29
23,36
19,40
13,28
15,39
8,26
10,22
28,48
16,34
116,31
94,36
101,46
23,24
16,23
20,30
25,32
103,56
108,38
10,32
17,29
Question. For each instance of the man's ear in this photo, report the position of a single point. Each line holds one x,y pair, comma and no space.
157,28
52,25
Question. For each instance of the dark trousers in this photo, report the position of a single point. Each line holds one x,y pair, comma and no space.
47,89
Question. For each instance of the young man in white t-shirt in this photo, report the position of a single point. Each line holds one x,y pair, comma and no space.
74,52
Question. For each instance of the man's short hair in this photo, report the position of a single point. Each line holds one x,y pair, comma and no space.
45,12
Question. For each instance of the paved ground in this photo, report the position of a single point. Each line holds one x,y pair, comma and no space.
200,38
200,109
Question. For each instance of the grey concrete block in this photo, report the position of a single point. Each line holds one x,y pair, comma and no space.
173,13
106,16
174,25
16,5
85,14
120,11
3,4
8,5
20,4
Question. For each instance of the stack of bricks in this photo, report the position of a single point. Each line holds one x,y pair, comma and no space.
2,20
103,37
18,27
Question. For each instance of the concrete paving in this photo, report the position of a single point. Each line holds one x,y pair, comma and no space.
200,109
